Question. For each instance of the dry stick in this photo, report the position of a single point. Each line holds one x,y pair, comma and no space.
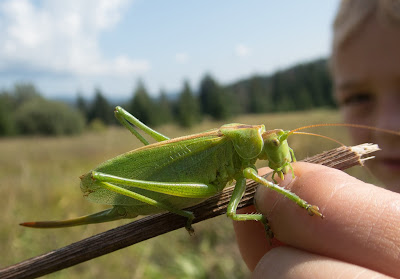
154,225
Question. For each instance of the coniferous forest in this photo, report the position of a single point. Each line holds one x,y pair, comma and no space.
23,109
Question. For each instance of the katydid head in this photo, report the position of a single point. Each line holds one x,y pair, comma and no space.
277,151
253,141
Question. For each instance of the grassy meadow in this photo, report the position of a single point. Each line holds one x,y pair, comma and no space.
39,181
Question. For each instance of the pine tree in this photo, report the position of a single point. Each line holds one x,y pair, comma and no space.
188,107
215,100
7,117
259,98
142,106
82,106
164,108
101,109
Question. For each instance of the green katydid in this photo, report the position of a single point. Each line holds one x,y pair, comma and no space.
173,174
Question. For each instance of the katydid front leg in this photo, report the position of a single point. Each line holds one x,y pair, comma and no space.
250,173
240,187
126,119
237,195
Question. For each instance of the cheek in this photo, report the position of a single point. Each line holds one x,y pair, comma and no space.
348,116
364,115
360,135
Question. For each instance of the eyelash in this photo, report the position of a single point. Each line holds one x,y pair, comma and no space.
357,98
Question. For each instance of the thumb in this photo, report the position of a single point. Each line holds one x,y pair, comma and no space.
361,224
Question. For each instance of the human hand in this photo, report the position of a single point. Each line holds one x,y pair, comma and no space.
359,236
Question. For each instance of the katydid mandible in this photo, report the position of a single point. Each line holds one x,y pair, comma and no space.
173,174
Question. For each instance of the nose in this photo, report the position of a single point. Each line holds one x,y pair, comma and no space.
388,117
389,113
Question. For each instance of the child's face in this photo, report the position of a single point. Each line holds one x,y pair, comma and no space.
366,72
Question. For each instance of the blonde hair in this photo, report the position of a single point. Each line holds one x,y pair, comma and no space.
354,14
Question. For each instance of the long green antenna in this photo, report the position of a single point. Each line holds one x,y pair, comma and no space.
346,125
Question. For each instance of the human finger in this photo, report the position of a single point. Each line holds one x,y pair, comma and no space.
288,262
361,224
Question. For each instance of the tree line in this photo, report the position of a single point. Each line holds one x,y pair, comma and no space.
23,110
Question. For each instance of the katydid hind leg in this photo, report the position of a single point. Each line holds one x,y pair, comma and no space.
237,195
250,173
189,190
127,120
179,189
189,215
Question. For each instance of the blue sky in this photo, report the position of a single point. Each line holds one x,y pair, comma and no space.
68,46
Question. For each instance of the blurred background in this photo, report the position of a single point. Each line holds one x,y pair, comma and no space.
182,67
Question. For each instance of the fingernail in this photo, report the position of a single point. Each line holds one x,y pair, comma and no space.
288,179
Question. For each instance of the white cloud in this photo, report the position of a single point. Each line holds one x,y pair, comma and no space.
181,57
242,50
62,36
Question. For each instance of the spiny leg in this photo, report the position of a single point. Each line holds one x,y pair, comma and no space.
292,153
250,173
189,190
237,195
127,119
189,215
179,189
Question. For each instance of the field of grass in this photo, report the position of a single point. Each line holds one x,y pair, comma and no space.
39,181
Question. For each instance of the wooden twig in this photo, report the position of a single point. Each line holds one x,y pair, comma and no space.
154,225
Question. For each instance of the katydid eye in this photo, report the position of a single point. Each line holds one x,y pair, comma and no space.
275,142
